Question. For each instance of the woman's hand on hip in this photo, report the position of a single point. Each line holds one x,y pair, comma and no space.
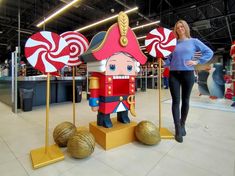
191,63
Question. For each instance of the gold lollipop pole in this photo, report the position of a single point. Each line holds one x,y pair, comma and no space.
74,114
164,132
159,92
49,154
47,113
73,95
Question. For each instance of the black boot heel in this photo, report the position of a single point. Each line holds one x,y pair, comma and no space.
178,134
183,130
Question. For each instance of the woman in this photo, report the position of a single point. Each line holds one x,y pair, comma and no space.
182,62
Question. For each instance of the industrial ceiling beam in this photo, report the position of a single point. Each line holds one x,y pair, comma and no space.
126,6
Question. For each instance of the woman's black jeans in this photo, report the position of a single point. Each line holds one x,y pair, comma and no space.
183,80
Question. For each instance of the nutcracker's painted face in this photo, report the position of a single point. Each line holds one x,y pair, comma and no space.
120,64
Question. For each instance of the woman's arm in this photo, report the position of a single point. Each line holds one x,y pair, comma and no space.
206,52
167,60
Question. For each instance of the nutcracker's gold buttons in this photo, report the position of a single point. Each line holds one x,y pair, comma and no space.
109,92
132,78
132,85
109,79
120,98
132,90
109,87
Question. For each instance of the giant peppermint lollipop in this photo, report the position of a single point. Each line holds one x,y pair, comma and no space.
78,44
161,42
47,51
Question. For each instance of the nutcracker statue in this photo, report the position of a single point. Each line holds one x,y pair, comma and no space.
232,53
113,59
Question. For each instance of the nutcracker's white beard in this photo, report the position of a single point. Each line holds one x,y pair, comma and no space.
121,77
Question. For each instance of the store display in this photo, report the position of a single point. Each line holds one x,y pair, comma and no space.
81,145
215,81
78,44
47,51
202,82
63,132
232,53
113,59
161,42
147,133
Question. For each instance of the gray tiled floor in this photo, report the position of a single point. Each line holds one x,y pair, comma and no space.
207,150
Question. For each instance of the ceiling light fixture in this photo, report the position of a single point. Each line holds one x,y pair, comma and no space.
145,25
104,20
142,37
3,44
56,13
25,32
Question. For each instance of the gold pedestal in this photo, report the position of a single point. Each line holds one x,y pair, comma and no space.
166,134
40,157
118,135
82,128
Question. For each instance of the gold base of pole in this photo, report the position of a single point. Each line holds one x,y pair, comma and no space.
82,128
42,158
166,134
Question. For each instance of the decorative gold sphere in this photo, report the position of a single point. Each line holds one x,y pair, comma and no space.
147,133
63,132
81,145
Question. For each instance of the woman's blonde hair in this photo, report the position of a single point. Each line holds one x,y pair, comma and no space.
186,27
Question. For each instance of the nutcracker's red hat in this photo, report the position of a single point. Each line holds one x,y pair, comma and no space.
118,38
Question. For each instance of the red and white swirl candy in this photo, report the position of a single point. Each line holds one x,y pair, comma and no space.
47,51
160,42
78,44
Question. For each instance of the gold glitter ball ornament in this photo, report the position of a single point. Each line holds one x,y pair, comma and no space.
81,145
147,133
63,132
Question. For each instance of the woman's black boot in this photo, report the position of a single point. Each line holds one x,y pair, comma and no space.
178,133
183,130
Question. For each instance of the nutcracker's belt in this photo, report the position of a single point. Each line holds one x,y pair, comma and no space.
112,99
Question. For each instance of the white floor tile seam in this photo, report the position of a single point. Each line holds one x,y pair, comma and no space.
7,146
159,161
23,166
217,148
11,151
119,148
109,166
194,165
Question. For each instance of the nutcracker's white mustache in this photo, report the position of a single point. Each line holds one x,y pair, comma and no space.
120,77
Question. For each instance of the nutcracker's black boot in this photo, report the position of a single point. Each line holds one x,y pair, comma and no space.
104,120
123,117
178,133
